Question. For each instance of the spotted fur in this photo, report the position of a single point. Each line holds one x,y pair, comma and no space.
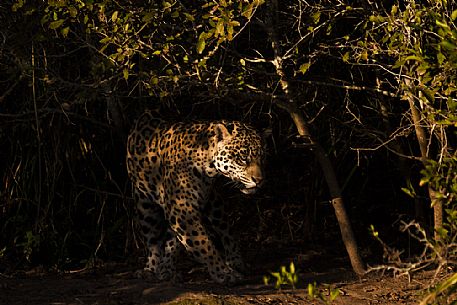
173,167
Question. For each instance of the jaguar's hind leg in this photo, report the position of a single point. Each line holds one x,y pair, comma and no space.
159,238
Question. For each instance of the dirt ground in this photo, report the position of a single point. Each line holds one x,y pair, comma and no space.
114,284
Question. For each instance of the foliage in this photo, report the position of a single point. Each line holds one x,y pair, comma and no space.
135,40
429,58
319,293
443,293
425,56
412,45
283,277
436,253
75,73
289,277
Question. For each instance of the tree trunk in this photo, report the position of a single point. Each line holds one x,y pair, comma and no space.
334,188
329,172
422,140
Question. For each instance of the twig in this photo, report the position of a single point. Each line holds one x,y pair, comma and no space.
37,126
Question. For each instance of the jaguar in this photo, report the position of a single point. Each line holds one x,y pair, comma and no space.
173,167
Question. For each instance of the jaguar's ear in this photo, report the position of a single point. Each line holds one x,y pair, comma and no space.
222,132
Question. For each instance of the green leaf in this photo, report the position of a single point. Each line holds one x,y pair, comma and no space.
189,17
202,63
376,19
73,11
125,72
56,24
345,57
407,192
448,45
413,57
429,94
275,274
304,67
394,10
248,10
19,4
440,58
311,290
294,279
230,32
65,31
201,44
423,181
292,267
316,17
442,24
373,231
105,40
442,232
454,15
451,104
148,17
219,28
334,293
114,16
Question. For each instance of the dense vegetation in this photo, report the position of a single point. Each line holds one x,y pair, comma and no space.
374,81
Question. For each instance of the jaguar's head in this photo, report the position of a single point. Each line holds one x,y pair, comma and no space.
239,155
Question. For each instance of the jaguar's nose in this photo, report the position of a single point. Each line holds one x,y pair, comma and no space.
257,180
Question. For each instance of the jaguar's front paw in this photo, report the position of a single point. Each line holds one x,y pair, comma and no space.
227,277
146,274
237,264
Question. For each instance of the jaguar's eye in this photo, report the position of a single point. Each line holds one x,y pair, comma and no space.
244,159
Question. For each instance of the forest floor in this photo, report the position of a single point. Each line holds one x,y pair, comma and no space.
115,284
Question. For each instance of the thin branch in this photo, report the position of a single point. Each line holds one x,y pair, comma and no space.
347,87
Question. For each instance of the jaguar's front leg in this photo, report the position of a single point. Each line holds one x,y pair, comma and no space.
217,216
186,222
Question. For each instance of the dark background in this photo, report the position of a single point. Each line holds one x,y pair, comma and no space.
65,200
